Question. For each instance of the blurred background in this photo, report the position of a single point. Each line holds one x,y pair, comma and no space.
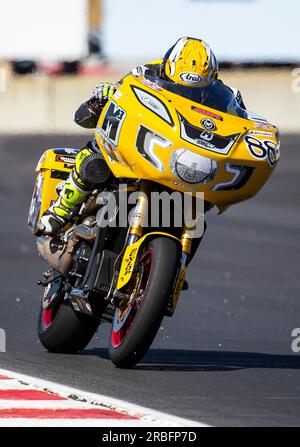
53,53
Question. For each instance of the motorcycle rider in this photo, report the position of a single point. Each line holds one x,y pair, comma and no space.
187,56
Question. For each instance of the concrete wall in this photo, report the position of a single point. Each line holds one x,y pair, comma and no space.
43,104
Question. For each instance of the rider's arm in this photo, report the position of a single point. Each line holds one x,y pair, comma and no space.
88,113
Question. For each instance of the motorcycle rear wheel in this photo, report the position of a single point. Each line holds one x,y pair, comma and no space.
133,332
62,330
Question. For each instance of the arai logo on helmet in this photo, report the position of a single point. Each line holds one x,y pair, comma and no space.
190,78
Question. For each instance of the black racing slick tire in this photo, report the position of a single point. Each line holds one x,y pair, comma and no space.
62,330
133,333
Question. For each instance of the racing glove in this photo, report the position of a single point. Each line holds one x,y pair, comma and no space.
88,113
103,92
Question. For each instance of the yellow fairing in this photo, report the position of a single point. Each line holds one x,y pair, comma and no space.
127,122
53,168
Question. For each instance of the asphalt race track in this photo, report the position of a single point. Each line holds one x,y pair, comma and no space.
225,358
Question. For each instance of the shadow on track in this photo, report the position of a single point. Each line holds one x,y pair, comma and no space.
191,360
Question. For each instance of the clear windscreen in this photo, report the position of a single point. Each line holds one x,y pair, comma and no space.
217,96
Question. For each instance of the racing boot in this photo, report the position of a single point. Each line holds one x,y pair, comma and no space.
60,213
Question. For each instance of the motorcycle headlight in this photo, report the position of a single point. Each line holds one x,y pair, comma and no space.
191,167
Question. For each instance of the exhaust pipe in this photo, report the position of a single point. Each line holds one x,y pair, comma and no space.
59,256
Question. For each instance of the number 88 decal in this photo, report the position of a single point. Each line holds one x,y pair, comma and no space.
262,149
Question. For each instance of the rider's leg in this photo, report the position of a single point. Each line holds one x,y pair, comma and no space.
90,172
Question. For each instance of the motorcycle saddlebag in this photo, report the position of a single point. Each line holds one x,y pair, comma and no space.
52,170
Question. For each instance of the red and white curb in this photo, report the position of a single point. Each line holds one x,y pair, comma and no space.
27,401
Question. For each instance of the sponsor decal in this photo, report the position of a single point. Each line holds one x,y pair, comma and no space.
68,166
263,126
148,100
208,124
207,113
263,149
181,185
206,145
207,136
139,71
71,151
64,159
128,264
266,134
152,85
190,78
112,123
117,94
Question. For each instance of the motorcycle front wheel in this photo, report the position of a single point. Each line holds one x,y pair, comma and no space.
136,325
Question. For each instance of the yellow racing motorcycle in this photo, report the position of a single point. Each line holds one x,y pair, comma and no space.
113,263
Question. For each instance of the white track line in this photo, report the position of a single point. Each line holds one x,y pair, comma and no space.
12,383
148,417
44,404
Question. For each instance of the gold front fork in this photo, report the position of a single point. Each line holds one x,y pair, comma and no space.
189,229
139,214
186,242
135,232
186,239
